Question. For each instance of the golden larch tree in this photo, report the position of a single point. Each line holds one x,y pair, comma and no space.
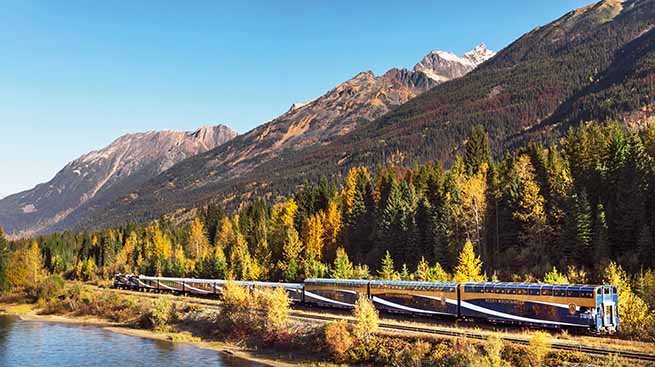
197,244
469,266
313,235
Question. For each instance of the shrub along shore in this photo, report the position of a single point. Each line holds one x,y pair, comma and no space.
256,325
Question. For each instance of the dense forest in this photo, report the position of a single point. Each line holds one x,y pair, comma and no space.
563,213
579,204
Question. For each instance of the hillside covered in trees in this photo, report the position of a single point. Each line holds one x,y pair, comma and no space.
563,213
581,203
592,63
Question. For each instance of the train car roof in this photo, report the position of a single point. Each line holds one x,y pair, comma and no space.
186,280
412,283
338,281
579,287
222,281
276,284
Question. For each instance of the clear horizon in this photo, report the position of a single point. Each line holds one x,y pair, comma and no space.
77,78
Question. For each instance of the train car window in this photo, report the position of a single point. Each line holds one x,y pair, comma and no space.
546,292
614,291
534,291
606,290
573,293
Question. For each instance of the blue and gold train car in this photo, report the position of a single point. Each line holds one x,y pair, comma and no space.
415,298
539,305
338,293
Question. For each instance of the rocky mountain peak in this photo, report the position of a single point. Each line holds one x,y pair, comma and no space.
479,54
441,66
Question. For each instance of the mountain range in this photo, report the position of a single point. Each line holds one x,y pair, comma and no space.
115,173
595,62
102,176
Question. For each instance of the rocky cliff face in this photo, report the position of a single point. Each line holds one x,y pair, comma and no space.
102,176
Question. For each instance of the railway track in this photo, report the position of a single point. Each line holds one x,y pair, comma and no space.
299,316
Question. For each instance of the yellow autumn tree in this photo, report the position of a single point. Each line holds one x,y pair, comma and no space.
473,203
469,266
179,262
366,318
331,229
240,260
350,189
225,233
531,214
313,235
635,318
25,266
290,263
531,202
282,222
197,244
343,268
163,247
125,258
423,271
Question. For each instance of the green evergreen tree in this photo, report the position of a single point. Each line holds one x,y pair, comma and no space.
578,233
477,150
358,207
599,237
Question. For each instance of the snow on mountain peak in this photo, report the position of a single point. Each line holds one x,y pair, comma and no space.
441,66
479,54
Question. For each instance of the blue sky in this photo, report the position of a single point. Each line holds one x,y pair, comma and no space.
75,75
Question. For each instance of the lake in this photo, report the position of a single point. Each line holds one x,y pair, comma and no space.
34,343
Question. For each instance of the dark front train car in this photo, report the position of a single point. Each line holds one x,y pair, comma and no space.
338,293
122,281
415,298
535,305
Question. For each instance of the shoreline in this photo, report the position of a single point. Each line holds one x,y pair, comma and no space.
27,312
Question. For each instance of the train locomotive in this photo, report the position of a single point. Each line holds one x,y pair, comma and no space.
583,307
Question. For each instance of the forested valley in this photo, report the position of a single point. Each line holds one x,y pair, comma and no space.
581,211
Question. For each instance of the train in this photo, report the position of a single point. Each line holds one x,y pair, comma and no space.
591,308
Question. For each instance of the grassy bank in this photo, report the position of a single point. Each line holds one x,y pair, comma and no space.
257,326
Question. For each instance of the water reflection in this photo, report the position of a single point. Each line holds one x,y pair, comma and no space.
26,343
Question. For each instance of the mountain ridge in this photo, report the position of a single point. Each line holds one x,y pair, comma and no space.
513,95
103,175
320,121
